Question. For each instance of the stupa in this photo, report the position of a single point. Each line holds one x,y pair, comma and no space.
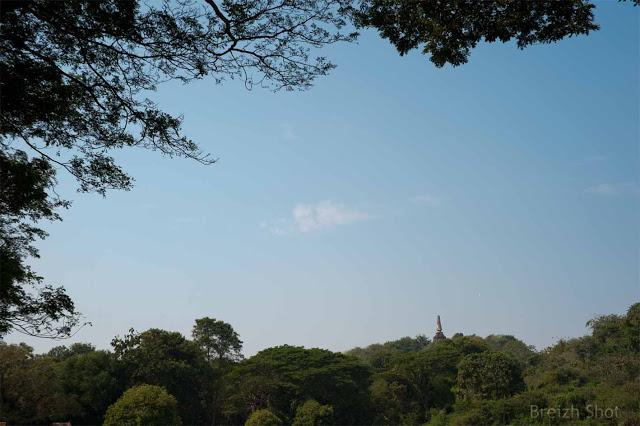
439,334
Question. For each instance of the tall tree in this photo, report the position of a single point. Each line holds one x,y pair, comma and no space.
166,359
222,346
93,380
218,339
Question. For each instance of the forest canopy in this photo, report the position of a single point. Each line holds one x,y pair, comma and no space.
462,380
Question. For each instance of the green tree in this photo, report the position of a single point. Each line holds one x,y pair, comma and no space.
263,418
221,346
598,369
26,305
617,334
143,405
488,375
417,382
449,30
311,413
60,353
29,390
166,359
509,344
375,355
276,377
93,381
218,339
409,344
378,355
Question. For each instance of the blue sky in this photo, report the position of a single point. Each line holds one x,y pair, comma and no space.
502,195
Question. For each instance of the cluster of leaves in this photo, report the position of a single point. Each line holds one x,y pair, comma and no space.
263,417
449,30
378,355
162,377
75,74
27,305
144,405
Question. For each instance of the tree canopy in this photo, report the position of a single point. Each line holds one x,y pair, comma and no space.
144,405
311,413
449,30
280,378
218,339
263,418
166,359
157,375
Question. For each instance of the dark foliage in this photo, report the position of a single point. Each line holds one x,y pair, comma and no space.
448,30
463,380
27,305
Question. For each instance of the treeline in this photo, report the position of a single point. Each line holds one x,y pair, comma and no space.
161,377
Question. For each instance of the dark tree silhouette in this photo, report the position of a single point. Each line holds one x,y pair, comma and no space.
448,29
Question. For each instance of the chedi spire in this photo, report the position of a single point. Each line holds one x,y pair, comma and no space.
439,334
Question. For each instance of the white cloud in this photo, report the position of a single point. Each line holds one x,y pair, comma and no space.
614,188
309,217
325,214
426,200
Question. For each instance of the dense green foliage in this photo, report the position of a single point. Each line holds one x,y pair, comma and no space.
160,377
378,355
263,418
448,30
166,359
30,390
311,413
284,377
143,405
218,339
